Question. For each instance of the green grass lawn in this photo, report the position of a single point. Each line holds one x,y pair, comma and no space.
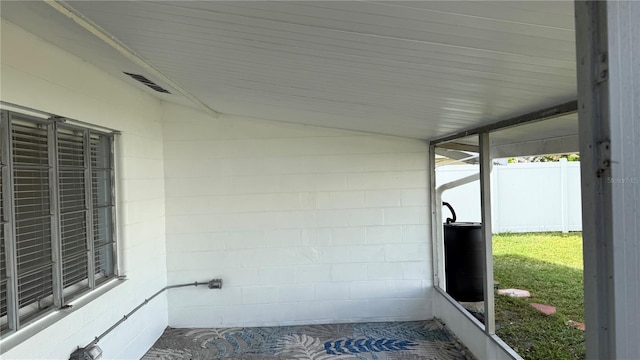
549,265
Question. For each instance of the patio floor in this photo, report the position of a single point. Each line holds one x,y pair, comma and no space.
415,340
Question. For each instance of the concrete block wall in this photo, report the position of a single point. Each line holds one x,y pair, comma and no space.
40,76
305,225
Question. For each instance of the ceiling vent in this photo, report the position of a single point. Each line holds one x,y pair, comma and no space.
148,83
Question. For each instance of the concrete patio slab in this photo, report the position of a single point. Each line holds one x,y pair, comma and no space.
515,293
545,309
576,324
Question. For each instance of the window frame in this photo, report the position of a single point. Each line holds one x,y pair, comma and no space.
12,322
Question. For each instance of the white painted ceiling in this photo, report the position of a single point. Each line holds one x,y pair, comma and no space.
413,69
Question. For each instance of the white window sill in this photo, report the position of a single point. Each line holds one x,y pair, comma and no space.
9,341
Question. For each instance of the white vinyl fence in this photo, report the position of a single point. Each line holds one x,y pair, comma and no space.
526,197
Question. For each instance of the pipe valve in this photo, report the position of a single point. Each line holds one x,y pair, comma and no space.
215,284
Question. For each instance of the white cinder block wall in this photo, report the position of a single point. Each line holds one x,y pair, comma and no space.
38,75
305,225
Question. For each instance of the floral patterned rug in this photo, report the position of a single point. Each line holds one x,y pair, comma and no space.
415,340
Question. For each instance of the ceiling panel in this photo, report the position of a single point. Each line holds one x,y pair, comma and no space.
563,126
42,20
553,136
414,69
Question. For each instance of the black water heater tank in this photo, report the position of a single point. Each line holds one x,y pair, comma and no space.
464,260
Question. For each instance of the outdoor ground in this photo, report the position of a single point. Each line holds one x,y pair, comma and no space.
409,340
549,265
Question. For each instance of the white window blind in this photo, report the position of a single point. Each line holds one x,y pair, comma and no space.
56,213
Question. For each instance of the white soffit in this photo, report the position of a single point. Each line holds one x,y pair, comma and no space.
413,69
45,22
555,136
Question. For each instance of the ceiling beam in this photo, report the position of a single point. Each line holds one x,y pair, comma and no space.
124,50
538,115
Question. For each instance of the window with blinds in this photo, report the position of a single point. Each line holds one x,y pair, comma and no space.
56,215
